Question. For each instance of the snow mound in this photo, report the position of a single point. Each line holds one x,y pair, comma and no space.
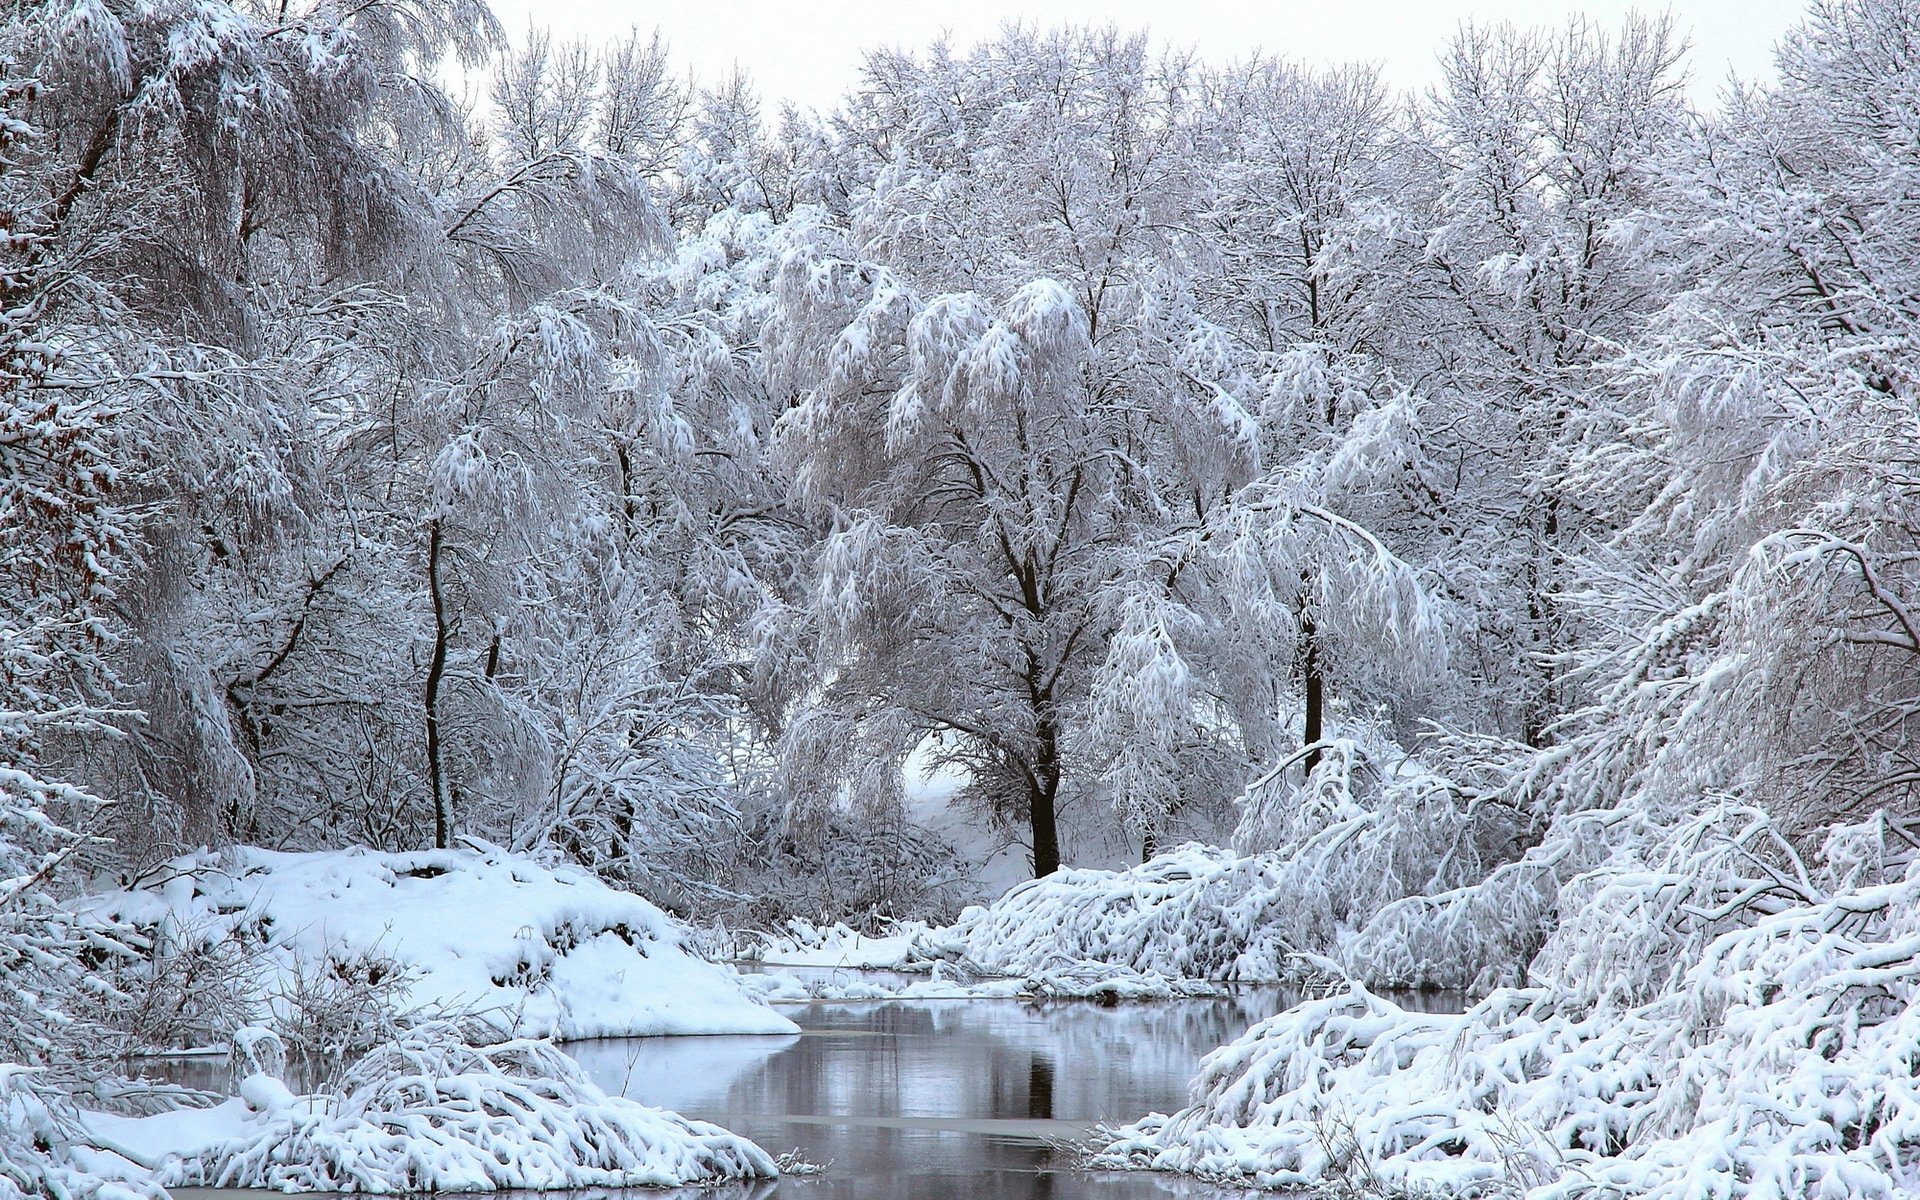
428,1112
536,951
1779,1058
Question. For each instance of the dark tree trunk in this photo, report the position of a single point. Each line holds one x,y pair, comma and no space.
1315,688
628,509
1043,791
436,670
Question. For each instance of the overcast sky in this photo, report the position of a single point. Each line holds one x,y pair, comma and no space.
810,52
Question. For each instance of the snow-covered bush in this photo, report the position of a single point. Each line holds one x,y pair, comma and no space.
1195,912
178,988
1320,857
440,1108
343,1006
38,1130
1769,1048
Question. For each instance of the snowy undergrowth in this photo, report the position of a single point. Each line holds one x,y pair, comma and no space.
1196,912
828,956
535,951
1757,1036
38,1128
438,1109
802,943
1321,858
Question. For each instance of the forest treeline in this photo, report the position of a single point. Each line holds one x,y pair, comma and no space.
627,472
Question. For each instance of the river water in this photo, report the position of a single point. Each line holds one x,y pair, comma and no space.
932,1099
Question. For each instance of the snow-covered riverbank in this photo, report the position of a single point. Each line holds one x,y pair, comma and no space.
535,951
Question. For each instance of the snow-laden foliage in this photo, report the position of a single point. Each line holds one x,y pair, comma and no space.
39,1129
1194,912
524,948
1772,1053
1062,467
631,481
1320,859
442,1109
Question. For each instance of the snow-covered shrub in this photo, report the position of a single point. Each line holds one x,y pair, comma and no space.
195,982
1319,857
798,942
1769,1048
343,1005
1472,938
38,1132
1371,824
181,988
44,950
1483,933
433,1110
1195,912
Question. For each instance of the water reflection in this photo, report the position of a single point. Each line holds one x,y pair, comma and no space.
938,1099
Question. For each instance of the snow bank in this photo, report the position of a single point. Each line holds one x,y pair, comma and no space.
429,1112
536,951
1770,1048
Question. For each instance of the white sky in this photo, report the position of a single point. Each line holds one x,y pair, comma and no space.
810,52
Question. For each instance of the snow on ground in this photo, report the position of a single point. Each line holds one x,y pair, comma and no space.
536,951
429,1112
1711,1022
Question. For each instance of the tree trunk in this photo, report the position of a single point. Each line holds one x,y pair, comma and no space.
436,670
1043,790
1315,688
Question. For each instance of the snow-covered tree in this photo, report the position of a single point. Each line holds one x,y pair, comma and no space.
1756,632
1013,414
1498,253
